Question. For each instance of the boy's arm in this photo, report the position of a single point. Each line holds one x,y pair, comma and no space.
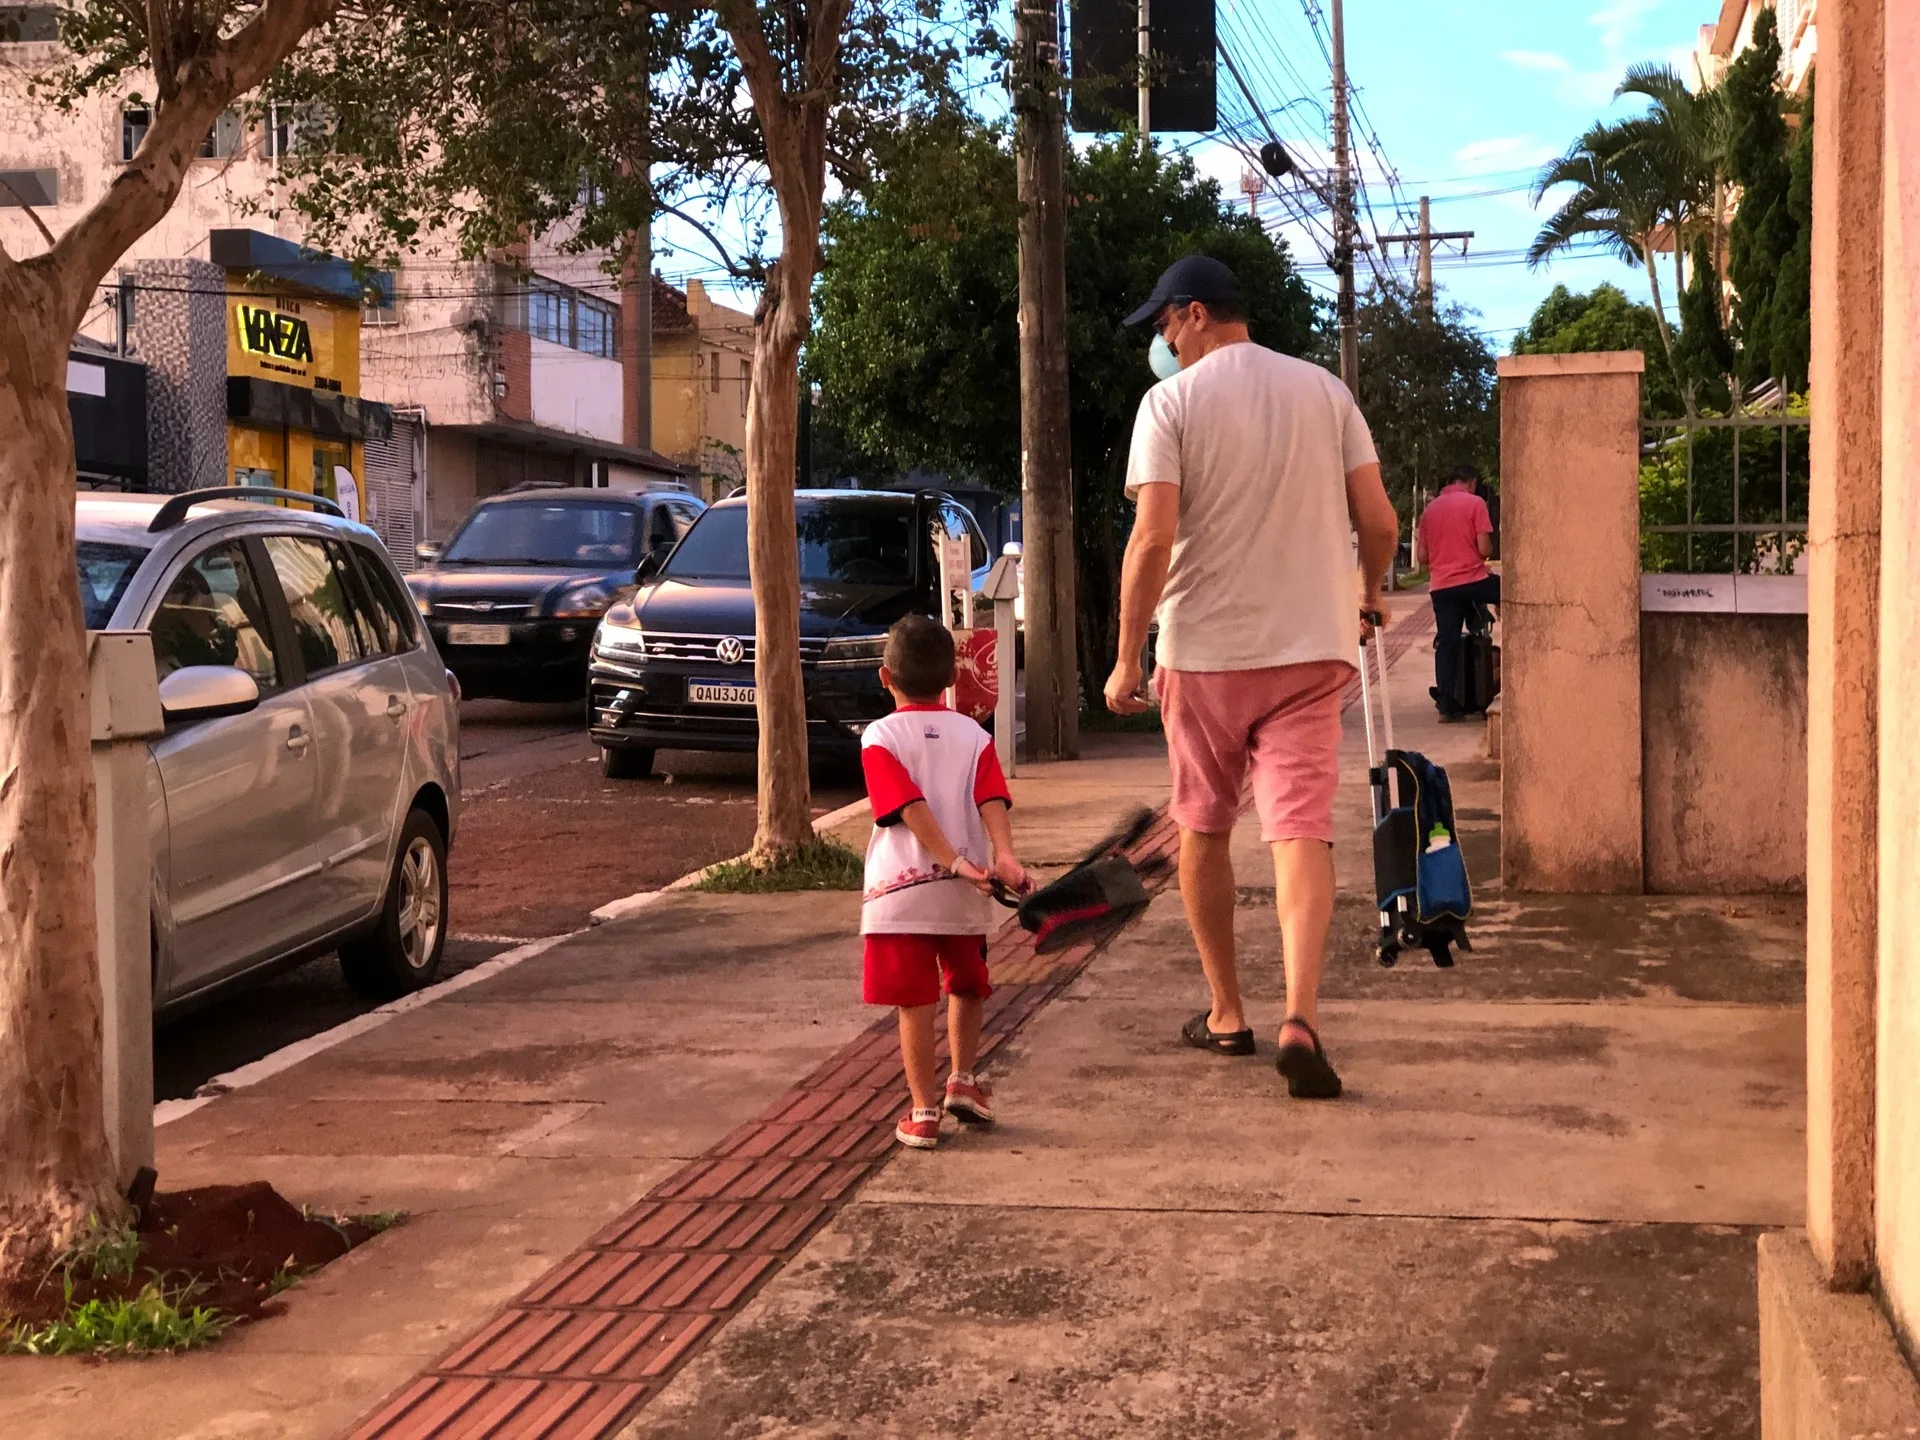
918,818
1004,867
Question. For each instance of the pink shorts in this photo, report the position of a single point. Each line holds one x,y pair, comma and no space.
1285,720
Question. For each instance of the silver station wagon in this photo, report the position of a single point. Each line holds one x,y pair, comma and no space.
306,789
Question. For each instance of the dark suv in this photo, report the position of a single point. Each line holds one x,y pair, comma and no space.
513,598
673,667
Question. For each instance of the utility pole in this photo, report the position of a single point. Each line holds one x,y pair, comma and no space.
1046,463
1146,77
1426,237
1344,228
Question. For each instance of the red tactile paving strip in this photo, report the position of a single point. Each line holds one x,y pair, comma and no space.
584,1347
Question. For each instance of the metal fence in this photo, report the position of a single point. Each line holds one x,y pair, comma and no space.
1724,495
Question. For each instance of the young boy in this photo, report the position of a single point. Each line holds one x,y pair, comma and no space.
940,838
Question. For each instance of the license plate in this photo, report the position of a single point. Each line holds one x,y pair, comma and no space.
478,634
700,692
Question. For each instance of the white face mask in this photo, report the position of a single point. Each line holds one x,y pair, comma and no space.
1161,359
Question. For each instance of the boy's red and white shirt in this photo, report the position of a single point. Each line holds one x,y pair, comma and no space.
930,753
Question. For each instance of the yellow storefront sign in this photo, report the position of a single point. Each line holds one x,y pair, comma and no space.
294,341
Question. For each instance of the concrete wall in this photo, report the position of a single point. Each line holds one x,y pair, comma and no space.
1570,616
452,487
1896,1129
576,392
1724,746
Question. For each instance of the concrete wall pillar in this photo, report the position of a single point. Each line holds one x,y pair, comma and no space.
1570,614
1897,1067
180,331
1843,658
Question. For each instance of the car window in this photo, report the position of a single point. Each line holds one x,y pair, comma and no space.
524,532
323,620
105,572
660,527
212,614
387,595
684,514
960,525
851,544
374,625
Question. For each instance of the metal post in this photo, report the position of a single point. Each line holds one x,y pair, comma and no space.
125,699
1146,78
1345,231
1426,252
1003,588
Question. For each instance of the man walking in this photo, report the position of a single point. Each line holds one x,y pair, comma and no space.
1250,471
1454,540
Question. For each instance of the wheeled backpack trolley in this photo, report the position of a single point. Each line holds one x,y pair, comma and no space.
1419,873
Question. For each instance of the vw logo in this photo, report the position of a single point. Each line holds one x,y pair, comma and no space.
730,651
480,605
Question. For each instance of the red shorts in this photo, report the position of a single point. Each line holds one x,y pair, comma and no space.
1283,723
905,970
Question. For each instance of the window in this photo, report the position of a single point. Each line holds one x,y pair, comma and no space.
746,384
123,310
684,514
847,544
29,24
29,187
714,374
135,121
660,527
960,525
323,621
225,138
397,618
519,532
212,614
105,571
287,124
380,305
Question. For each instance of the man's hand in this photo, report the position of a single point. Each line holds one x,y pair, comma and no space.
1124,696
1372,605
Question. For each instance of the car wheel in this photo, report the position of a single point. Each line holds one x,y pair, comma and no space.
402,954
622,762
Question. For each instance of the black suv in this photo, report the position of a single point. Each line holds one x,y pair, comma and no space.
673,667
513,598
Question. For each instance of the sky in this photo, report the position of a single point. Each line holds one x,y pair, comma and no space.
1462,100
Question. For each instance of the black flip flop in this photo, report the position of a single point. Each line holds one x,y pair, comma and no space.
1309,1076
1198,1034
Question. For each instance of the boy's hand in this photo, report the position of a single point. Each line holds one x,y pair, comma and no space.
1010,873
965,869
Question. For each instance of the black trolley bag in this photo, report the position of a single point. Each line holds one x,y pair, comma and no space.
1476,681
1419,874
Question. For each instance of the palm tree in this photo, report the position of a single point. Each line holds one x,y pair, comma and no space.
1620,200
1687,136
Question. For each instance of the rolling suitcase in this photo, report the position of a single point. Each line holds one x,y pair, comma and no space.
1477,681
1419,874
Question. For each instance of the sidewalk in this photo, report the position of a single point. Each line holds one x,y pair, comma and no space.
1531,1216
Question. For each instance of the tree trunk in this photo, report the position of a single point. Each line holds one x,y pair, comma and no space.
786,815
55,1166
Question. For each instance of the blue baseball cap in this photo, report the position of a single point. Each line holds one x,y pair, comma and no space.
1191,277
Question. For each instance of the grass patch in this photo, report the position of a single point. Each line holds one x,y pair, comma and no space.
148,1321
104,1252
379,1220
821,864
1411,580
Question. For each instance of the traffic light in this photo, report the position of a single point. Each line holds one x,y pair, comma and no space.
1104,65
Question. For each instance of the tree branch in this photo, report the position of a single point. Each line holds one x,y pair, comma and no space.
735,269
202,84
27,206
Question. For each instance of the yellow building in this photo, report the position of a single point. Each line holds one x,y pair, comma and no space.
295,419
702,371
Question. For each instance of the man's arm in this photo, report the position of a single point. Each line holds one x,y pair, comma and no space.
1378,526
1483,542
1143,575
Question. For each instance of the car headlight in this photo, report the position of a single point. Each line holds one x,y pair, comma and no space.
622,642
583,602
850,651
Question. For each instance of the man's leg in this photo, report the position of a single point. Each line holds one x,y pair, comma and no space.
1303,895
1449,616
1206,889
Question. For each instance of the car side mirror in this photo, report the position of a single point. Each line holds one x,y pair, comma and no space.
426,552
206,692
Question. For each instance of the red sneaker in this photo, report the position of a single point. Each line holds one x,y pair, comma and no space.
969,1100
920,1130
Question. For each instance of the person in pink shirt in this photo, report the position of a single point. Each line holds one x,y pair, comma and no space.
1454,540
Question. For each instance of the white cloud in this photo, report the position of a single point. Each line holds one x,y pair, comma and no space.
1537,60
1620,21
1503,152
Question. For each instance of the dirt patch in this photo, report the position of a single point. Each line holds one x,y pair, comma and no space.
537,854
234,1247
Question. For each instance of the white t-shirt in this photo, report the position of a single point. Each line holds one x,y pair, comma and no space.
1260,445
930,753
